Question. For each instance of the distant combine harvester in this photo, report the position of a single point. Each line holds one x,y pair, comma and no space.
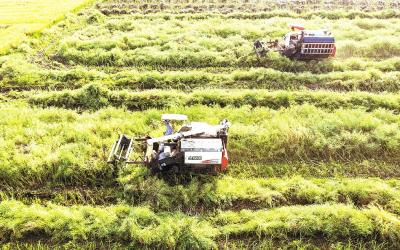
300,44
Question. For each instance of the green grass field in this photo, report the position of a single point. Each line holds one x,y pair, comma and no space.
314,146
21,18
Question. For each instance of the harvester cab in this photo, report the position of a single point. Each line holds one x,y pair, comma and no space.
196,147
300,44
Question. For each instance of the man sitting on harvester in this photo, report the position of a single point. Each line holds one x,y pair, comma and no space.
196,147
169,129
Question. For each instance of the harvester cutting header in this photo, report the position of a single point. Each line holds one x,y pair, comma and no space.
195,147
300,44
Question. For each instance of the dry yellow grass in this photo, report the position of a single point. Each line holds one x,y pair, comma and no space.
19,18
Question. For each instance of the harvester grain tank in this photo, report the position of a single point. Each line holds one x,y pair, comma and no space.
195,147
300,44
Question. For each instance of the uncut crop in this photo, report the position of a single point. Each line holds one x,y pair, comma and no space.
313,147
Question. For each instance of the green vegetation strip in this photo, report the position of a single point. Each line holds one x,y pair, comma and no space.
85,98
64,195
17,75
140,226
254,243
318,169
208,193
53,145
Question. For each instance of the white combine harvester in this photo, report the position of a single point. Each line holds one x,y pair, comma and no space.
195,147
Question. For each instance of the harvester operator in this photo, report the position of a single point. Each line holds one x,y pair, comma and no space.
169,129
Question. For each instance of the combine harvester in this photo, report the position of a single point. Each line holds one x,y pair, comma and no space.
300,44
196,147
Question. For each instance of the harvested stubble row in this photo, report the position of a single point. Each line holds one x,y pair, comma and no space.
139,226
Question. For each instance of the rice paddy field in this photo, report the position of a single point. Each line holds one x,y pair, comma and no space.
314,146
20,19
